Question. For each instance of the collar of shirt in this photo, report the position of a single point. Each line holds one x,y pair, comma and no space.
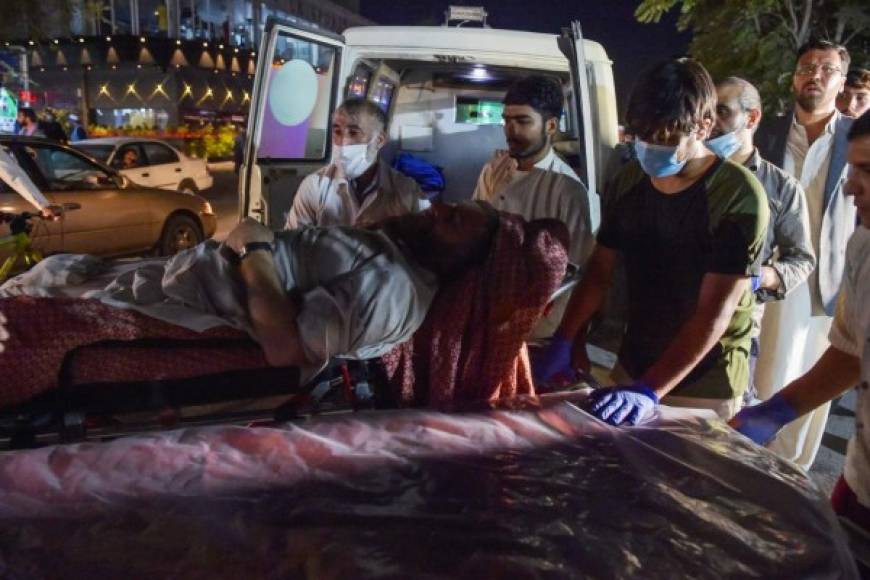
753,162
830,126
362,195
547,162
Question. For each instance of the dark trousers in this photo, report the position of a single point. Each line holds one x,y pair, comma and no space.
751,391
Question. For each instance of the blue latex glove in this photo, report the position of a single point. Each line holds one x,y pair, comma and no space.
762,422
551,361
623,405
755,281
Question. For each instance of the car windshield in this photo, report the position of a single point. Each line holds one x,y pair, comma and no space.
63,170
98,152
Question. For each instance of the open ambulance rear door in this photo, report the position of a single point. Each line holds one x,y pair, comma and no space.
593,107
295,91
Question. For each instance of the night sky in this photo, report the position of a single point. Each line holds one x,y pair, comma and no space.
631,46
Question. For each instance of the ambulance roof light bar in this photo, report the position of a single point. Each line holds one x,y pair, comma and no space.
465,14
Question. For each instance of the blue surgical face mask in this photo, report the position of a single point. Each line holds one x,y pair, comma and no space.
725,145
658,160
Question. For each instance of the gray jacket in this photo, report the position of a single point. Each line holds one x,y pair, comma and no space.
840,217
787,247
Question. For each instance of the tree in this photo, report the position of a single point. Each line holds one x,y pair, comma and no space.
758,39
25,19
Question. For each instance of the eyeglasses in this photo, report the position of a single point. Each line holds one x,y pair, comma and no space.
810,69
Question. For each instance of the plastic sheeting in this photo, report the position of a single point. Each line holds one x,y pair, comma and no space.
536,493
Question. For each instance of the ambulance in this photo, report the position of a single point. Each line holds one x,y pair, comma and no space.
441,89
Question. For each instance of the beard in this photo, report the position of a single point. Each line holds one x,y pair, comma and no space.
810,102
533,148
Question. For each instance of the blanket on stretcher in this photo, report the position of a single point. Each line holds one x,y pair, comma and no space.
471,346
45,330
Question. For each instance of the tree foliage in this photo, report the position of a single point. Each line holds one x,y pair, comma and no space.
758,39
24,19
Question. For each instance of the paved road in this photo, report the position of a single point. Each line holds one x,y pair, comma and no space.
832,455
223,197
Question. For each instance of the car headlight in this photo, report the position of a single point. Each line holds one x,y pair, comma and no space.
206,208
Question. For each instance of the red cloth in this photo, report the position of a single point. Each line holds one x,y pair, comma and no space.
846,504
43,330
471,347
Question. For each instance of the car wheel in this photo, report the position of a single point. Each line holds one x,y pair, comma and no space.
180,233
187,186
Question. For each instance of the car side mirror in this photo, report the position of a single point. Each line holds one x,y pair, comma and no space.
121,181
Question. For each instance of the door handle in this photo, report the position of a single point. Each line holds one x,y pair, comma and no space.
146,175
178,170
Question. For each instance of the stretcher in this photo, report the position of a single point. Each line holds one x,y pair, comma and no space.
539,492
156,381
159,382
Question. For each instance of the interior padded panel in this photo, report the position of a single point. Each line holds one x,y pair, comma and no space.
315,144
280,184
460,149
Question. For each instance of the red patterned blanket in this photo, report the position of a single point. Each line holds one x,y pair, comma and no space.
43,331
471,347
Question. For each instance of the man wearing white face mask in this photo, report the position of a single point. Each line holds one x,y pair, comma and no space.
787,255
689,228
357,188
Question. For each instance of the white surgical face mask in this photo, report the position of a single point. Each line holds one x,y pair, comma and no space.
355,159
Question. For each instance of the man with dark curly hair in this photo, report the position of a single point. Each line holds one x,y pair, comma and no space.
529,179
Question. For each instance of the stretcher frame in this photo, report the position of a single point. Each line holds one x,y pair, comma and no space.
79,410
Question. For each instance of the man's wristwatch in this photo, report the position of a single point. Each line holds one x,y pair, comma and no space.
251,247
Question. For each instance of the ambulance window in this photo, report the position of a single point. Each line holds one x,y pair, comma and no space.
359,82
382,95
295,119
474,111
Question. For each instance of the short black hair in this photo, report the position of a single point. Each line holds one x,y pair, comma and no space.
28,112
858,78
672,96
860,127
822,44
355,106
543,94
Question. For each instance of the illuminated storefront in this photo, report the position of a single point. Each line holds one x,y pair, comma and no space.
156,66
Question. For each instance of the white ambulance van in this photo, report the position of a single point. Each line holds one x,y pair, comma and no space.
441,88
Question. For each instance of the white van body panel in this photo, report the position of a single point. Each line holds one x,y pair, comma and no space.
513,48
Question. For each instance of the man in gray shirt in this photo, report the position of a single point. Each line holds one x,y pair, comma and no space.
787,254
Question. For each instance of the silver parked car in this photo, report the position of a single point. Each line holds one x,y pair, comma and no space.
150,162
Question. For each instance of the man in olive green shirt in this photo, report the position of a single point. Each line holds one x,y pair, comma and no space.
689,227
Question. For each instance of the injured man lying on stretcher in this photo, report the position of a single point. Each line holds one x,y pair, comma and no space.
304,295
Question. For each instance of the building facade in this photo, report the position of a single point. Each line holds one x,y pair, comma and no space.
156,67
